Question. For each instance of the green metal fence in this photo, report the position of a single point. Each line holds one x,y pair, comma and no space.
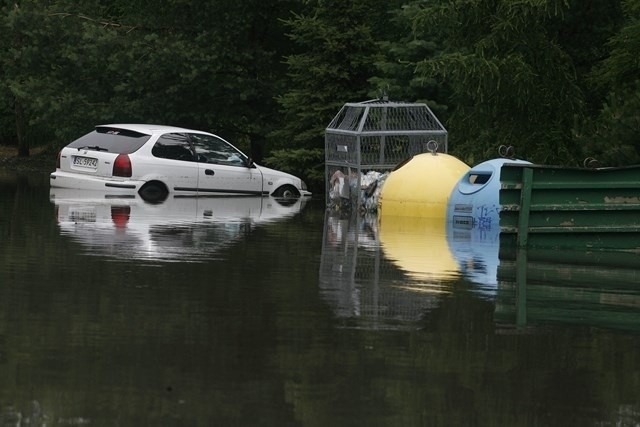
551,210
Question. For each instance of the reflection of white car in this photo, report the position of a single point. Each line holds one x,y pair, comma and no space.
177,229
156,161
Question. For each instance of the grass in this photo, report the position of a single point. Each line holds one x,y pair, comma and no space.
7,151
40,158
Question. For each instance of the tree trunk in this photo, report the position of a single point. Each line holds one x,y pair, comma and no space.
23,144
257,149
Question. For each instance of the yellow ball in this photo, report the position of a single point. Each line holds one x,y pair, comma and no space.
421,187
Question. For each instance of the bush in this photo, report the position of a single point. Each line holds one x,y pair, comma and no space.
305,163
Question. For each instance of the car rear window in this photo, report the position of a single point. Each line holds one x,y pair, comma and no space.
112,140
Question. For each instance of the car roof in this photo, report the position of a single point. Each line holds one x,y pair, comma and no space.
148,129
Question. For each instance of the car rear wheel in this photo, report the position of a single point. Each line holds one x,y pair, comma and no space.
154,192
286,192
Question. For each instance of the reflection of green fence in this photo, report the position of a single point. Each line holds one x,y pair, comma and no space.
575,237
547,207
542,292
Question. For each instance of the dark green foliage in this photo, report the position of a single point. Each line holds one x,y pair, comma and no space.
557,79
584,29
214,67
612,136
512,84
335,49
395,69
303,162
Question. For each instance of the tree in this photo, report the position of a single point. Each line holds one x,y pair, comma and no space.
335,46
512,83
74,64
611,136
216,67
61,69
399,54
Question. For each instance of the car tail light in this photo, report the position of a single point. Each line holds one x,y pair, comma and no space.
58,159
122,166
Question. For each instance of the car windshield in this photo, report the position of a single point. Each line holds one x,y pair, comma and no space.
112,140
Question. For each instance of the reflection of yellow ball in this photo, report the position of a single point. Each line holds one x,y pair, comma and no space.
419,247
421,187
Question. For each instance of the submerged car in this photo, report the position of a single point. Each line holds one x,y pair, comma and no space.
156,161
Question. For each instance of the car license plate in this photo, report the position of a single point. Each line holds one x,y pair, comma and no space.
86,162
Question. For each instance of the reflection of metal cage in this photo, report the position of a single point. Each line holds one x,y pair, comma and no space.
377,135
363,288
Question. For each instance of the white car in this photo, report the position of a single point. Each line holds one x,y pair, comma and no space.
156,161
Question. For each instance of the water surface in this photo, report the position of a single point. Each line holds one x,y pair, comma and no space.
200,312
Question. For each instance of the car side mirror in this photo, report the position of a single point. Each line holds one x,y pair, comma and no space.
250,163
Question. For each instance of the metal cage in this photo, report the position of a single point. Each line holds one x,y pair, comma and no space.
376,135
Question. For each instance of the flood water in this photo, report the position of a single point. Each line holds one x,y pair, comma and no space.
201,312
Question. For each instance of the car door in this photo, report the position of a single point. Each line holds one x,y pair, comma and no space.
223,169
174,163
